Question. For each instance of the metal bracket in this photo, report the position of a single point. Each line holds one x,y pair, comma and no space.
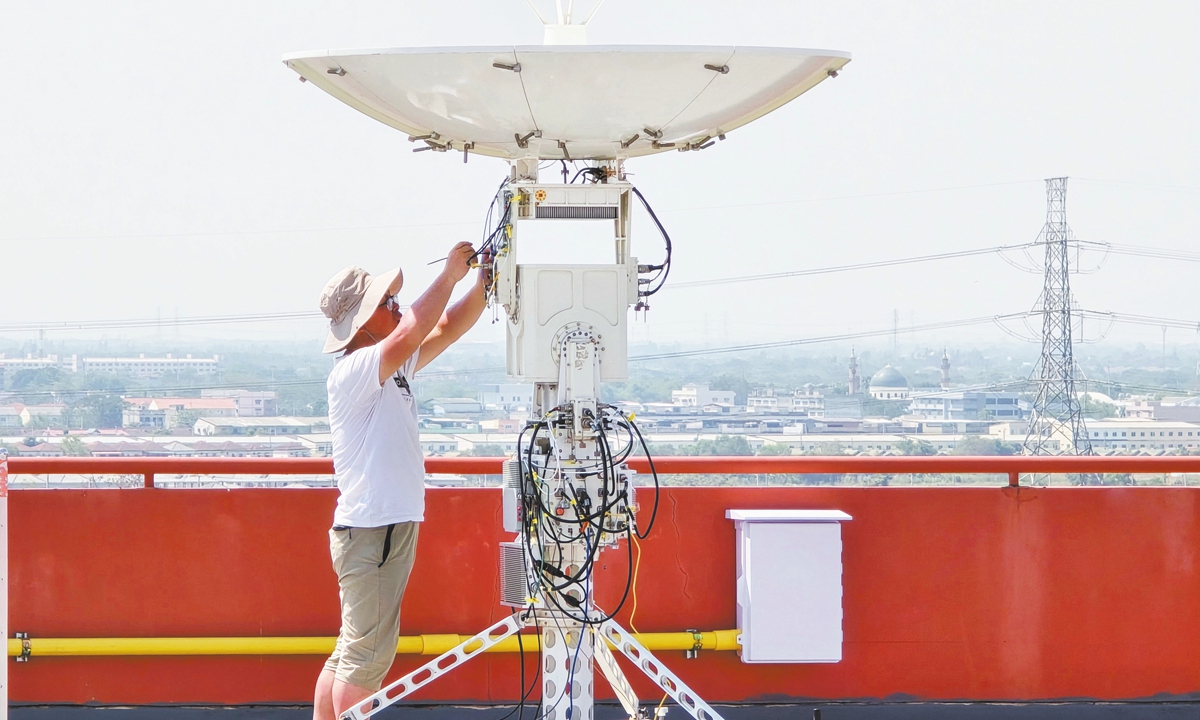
26,646
434,669
656,671
697,644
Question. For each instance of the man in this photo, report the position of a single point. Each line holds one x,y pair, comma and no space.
377,458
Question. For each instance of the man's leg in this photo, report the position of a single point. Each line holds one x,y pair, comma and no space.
323,697
346,696
372,585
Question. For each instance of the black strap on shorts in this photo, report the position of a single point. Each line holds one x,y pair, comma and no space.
387,544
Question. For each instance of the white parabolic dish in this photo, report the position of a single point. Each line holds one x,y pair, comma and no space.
585,102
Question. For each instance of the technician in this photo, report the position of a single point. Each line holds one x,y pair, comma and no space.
377,457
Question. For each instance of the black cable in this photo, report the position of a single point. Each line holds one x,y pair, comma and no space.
519,708
550,539
665,267
654,512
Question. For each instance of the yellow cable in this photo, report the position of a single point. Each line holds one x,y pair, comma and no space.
636,566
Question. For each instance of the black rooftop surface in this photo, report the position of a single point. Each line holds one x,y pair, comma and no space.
1167,709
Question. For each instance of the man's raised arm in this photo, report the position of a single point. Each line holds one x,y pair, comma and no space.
424,314
455,321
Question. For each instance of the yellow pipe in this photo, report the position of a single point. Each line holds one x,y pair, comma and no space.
411,645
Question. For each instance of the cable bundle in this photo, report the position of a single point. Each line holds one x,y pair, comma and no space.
576,516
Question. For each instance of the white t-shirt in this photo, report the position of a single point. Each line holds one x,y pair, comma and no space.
377,459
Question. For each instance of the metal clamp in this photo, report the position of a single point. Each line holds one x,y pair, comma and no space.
697,644
26,646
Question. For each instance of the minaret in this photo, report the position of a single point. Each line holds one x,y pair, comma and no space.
853,373
945,370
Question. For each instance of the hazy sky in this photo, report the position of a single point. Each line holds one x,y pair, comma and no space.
158,158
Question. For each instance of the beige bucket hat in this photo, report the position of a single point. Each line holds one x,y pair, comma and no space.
350,298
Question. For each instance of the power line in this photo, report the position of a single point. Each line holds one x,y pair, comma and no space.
1185,188
1150,252
1141,319
847,268
826,338
1162,253
162,322
854,197
235,233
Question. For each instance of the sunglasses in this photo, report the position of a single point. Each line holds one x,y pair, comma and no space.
392,304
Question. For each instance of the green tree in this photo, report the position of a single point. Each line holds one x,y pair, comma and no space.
721,445
74,447
97,410
1096,409
908,446
739,385
37,379
977,445
825,448
774,449
186,418
485,450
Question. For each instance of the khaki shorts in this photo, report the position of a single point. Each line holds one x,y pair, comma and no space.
371,588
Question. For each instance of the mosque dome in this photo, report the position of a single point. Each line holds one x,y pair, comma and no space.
888,377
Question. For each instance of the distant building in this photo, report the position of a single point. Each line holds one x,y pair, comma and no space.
10,416
1179,409
507,397
1143,434
889,384
764,399
163,413
696,395
29,362
965,405
260,426
39,450
142,366
50,415
809,400
945,383
843,406
454,406
250,403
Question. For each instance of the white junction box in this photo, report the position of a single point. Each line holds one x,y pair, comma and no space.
789,585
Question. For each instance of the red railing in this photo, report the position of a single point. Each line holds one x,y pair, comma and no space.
1011,465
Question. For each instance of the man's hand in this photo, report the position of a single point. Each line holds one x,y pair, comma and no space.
458,262
486,268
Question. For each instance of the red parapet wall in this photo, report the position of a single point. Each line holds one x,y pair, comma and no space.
949,593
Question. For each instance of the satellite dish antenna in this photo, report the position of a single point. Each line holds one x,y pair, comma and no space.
568,493
564,30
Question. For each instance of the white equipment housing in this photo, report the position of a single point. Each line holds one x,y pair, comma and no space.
547,302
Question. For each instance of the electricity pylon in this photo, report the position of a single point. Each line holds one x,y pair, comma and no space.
1056,425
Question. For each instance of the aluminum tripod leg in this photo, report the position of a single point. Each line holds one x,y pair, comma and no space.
656,671
612,672
434,669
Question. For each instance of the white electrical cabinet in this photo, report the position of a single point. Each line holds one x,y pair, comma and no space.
789,585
